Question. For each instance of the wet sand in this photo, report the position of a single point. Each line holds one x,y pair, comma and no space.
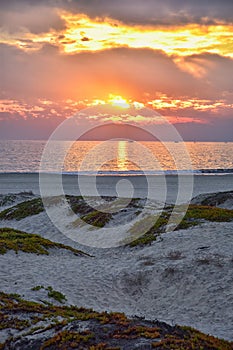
106,185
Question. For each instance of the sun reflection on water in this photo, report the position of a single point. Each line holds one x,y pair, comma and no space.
122,154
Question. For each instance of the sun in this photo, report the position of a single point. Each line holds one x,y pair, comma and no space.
118,101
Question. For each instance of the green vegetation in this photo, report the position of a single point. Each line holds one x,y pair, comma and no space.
58,296
37,288
201,212
156,230
97,218
77,204
103,331
16,240
195,215
9,199
23,210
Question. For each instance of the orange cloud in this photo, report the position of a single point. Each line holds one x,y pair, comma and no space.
178,40
169,107
163,102
83,33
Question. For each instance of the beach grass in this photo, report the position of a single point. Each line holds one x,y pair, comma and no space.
195,215
23,210
16,240
96,218
56,295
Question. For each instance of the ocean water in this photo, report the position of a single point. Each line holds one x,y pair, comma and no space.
117,157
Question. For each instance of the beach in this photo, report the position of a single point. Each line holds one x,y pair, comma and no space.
17,182
182,277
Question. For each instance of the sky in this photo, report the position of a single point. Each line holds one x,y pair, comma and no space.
60,56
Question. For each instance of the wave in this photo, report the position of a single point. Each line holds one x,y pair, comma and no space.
217,171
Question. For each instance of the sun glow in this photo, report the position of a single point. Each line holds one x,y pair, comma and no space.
85,34
118,101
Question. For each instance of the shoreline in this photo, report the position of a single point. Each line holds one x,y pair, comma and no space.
106,185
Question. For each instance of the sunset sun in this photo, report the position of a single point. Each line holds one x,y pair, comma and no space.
118,101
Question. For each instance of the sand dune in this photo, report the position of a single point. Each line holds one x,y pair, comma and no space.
185,277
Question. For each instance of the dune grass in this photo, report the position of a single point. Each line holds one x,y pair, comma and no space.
23,210
195,215
16,240
56,295
96,218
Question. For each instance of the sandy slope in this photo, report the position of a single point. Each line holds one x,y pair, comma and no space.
184,278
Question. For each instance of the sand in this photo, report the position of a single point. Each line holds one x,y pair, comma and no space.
13,183
185,277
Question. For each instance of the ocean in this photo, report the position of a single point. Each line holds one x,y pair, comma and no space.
118,157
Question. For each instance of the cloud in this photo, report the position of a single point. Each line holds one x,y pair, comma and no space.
140,12
135,73
14,127
34,19
81,33
212,67
131,72
166,12
83,50
216,130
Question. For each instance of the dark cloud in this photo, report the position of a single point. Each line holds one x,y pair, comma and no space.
14,127
217,130
140,11
158,12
